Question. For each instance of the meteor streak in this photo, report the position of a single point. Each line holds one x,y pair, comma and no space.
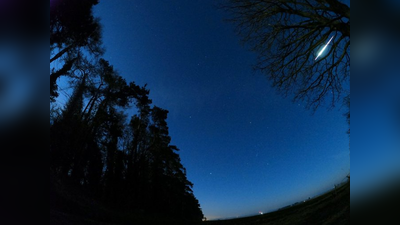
323,49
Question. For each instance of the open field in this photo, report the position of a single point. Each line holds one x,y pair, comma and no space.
330,208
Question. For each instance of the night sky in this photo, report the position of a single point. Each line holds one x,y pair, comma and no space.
245,147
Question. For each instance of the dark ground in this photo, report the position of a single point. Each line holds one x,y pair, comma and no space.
72,207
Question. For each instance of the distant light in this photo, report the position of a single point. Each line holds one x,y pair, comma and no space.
324,48
261,213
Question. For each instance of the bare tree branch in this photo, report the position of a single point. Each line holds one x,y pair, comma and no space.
288,35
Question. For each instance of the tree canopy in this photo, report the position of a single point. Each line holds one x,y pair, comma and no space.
75,39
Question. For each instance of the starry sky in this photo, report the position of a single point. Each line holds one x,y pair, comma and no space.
245,147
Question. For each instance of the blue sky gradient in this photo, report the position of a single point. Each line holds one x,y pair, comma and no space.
245,147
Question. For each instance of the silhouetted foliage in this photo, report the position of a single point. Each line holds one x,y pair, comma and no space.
126,165
129,165
288,35
74,32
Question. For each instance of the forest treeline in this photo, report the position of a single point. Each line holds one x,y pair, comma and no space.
109,140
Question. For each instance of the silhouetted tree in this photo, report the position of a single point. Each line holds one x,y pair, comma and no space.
125,165
94,169
129,166
137,155
288,36
65,137
73,31
172,191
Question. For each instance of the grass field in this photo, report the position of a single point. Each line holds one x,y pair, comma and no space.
330,208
